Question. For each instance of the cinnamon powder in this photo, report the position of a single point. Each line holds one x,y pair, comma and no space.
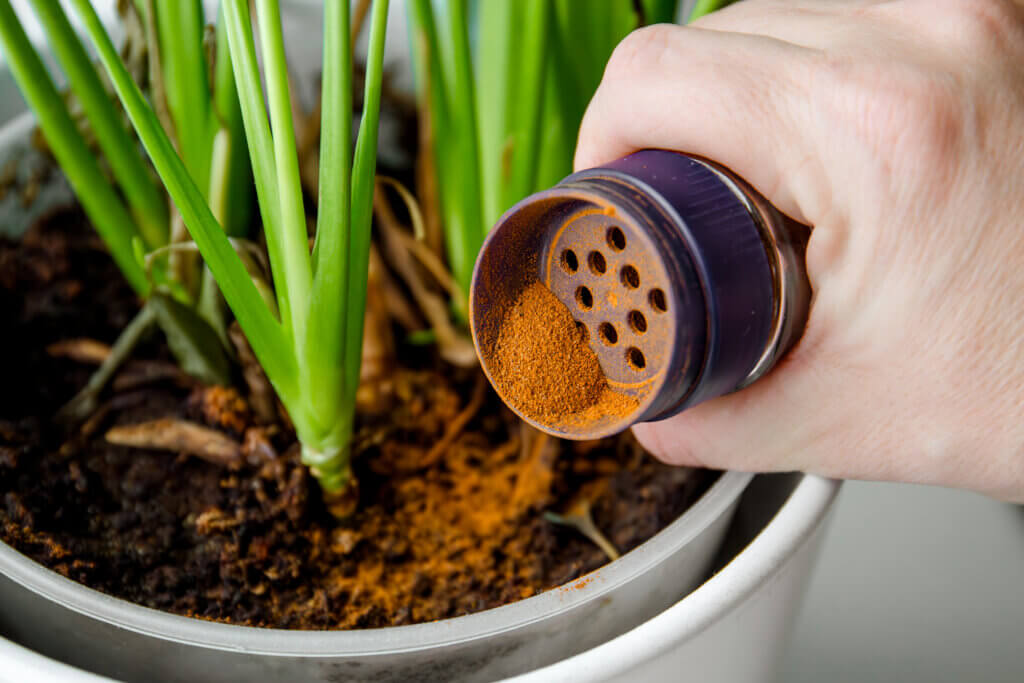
545,368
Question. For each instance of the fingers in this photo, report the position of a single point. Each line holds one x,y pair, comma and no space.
799,417
810,23
742,100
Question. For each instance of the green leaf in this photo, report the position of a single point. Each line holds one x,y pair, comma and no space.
363,178
183,59
326,339
660,11
524,119
292,213
193,342
497,59
105,209
287,248
271,346
469,226
85,401
421,337
706,7
237,181
118,144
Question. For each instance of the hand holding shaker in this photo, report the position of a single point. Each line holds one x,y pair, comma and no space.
630,292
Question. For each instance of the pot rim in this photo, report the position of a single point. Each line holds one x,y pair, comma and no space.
796,523
715,502
376,641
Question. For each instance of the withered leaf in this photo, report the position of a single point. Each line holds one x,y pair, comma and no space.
170,434
193,342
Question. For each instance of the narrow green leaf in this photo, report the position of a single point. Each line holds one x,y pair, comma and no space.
706,7
555,155
325,343
497,59
209,303
104,208
118,144
524,130
292,215
271,346
428,46
183,59
237,174
454,154
193,342
464,121
261,150
335,144
661,11
84,403
363,178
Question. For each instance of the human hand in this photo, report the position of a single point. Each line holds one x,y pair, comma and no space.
896,129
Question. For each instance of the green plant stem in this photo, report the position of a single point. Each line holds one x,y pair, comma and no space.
84,402
331,254
209,302
464,140
129,169
104,208
186,82
283,248
706,7
363,178
292,215
448,86
265,334
238,185
496,64
525,118
327,454
660,11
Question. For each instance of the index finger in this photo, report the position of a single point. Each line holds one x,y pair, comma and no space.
741,100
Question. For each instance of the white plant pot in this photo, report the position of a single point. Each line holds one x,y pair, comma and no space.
732,629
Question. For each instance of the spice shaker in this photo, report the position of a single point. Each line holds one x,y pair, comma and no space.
686,283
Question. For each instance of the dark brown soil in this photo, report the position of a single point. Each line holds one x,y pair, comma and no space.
436,535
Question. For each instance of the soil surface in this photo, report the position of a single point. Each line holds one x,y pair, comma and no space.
439,531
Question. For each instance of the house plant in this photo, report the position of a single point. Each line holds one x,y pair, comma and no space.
521,645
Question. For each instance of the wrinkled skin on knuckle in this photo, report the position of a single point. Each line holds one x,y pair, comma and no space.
909,119
642,52
980,27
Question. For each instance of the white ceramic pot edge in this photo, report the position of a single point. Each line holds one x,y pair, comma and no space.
796,525
20,665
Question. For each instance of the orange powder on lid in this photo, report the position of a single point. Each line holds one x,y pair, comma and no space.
545,368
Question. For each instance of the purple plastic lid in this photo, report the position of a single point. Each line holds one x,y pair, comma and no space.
713,244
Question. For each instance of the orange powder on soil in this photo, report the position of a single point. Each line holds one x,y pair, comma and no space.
545,367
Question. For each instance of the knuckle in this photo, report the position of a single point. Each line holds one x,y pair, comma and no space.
902,112
978,26
984,21
642,51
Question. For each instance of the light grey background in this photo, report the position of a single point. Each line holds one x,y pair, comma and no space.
914,584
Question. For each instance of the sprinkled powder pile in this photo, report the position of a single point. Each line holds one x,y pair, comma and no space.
545,367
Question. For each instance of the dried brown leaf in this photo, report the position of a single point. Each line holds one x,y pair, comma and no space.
455,348
170,434
81,350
